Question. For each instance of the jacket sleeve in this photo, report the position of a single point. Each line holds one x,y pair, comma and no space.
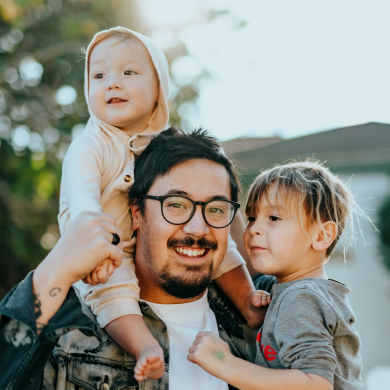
24,354
232,259
81,179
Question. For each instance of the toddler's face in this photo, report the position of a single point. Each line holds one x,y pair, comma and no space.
276,242
123,85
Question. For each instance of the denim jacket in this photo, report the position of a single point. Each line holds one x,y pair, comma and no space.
73,353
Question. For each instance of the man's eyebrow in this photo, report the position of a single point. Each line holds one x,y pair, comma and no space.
181,192
176,192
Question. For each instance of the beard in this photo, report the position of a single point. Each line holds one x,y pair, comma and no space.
192,280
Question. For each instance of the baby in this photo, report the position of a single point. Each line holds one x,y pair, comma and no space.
296,214
126,89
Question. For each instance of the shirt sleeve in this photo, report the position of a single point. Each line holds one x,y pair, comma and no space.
304,333
81,179
232,259
24,354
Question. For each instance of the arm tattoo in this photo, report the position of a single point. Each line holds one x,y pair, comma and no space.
37,306
54,291
40,327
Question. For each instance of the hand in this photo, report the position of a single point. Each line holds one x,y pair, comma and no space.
211,353
86,243
101,273
255,307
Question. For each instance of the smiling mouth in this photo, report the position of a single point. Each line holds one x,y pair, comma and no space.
258,248
190,252
116,101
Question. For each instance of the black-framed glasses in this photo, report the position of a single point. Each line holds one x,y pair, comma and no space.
178,210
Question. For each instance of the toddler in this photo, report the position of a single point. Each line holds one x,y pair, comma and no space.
296,214
126,89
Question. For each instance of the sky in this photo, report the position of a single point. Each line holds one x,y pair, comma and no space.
285,68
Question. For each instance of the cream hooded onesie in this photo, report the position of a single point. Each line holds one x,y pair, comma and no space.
97,174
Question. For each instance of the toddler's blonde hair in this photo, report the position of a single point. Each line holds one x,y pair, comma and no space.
311,188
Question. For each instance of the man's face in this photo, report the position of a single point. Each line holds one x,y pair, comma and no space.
161,268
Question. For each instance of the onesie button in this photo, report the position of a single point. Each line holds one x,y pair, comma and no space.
127,178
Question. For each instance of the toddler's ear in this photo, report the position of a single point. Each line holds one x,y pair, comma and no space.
135,215
323,236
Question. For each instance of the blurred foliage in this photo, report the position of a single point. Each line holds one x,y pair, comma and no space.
40,42
384,228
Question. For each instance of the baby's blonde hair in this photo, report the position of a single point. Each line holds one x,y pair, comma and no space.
308,187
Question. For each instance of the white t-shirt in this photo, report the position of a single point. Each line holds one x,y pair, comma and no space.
184,321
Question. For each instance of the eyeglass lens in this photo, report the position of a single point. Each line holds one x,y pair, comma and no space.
178,210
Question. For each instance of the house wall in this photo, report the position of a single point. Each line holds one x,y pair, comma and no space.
370,283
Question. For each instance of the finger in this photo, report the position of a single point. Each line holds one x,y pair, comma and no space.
102,274
88,280
192,349
269,299
110,228
110,269
116,255
94,278
106,218
202,334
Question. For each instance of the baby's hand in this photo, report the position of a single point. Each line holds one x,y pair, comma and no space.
150,363
255,307
101,273
210,352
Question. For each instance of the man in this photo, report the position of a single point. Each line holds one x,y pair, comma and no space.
183,202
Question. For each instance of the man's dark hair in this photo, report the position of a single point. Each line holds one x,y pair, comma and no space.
172,147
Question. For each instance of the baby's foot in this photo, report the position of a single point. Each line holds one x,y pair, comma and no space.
150,363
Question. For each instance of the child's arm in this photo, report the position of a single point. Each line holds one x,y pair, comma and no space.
238,286
213,355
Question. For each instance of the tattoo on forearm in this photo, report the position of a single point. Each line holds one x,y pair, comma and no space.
54,291
40,326
37,306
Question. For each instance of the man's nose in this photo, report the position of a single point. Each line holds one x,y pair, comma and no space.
113,83
197,226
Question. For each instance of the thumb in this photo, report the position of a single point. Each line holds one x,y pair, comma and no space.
255,300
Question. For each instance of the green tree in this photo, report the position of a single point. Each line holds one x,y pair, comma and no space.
40,42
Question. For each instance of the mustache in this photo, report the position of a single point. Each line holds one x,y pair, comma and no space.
190,241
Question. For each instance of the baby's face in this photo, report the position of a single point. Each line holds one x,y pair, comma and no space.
123,85
275,241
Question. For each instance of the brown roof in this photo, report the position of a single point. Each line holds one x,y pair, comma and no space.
354,147
239,145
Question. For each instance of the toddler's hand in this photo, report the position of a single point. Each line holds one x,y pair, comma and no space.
101,273
255,307
210,352
150,363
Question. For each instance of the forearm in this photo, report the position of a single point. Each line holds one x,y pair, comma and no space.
249,376
50,291
237,285
131,333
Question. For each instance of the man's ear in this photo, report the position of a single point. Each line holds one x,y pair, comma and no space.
323,236
135,215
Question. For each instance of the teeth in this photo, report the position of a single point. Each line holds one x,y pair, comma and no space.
190,252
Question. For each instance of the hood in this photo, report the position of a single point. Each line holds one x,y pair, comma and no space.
159,119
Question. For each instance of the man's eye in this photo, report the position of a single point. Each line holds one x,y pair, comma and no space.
129,72
215,210
176,205
99,75
274,218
